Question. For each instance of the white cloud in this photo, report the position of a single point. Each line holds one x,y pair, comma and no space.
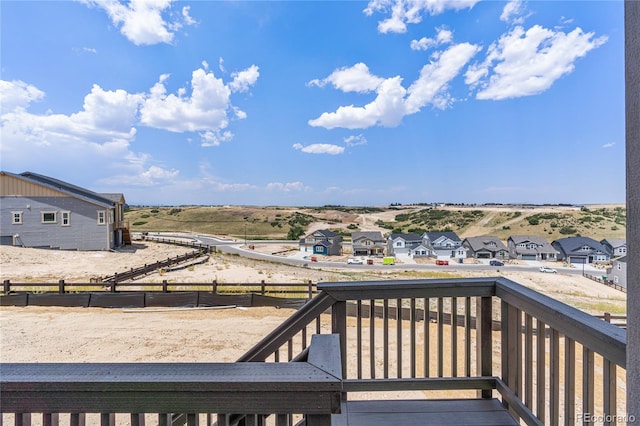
431,87
392,103
143,22
320,148
528,63
17,94
443,36
513,12
215,137
608,145
351,79
242,80
286,187
355,140
405,12
204,110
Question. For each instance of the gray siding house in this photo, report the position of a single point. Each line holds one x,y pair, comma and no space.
403,243
485,248
367,243
580,250
617,274
616,247
528,247
443,244
39,211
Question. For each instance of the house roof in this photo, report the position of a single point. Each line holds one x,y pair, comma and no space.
572,245
484,243
432,236
544,246
622,259
369,235
615,242
325,233
406,237
65,188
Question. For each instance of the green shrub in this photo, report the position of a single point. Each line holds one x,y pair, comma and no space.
139,223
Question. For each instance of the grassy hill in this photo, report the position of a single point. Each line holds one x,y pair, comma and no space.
551,222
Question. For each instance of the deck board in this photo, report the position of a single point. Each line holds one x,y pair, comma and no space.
459,412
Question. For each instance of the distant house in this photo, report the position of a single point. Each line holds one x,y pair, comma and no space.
617,274
421,250
461,253
580,250
528,247
40,211
485,247
368,243
323,242
616,247
443,244
402,243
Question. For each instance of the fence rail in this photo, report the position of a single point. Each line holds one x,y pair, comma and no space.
603,280
548,363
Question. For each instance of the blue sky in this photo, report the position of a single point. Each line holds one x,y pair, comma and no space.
314,103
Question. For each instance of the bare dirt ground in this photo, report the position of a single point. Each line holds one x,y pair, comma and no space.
70,334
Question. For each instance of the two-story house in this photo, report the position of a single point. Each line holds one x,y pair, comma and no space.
528,247
403,244
580,250
367,243
485,247
323,242
40,211
443,244
616,247
617,273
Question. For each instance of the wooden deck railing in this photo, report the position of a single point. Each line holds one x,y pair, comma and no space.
395,349
310,387
548,363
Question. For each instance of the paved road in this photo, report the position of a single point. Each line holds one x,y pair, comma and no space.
237,247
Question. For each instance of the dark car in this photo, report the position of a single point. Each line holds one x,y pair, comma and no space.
494,262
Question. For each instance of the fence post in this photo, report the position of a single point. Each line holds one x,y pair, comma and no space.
61,286
7,286
214,287
607,316
164,286
113,287
262,287
310,290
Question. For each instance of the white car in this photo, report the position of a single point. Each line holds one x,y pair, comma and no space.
547,269
354,261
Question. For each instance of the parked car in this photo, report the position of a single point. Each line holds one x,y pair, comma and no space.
547,269
442,262
494,262
354,261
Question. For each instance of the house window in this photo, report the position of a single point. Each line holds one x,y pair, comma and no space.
102,217
66,218
16,218
49,217
619,266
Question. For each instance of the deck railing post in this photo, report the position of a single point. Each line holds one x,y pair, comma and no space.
339,326
61,286
7,286
214,287
165,286
262,287
483,340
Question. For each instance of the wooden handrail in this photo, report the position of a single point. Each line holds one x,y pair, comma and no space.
312,387
599,336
